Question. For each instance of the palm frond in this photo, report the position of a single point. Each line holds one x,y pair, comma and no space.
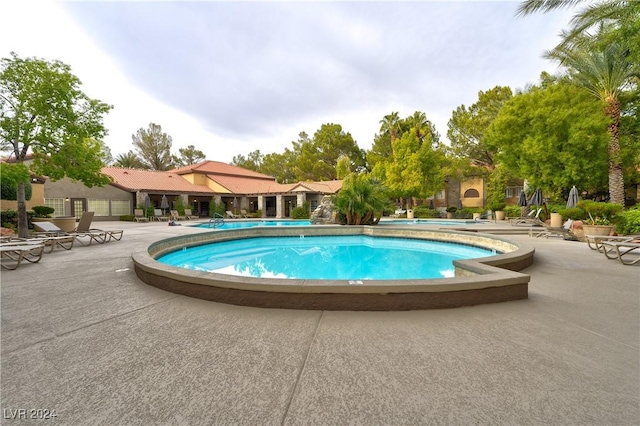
528,7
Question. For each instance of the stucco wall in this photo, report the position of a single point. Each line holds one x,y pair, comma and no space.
472,183
66,188
37,199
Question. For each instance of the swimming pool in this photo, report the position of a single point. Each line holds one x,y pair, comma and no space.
354,257
480,280
240,224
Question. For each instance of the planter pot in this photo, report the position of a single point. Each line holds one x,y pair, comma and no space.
409,214
500,215
556,220
476,216
597,229
449,215
66,223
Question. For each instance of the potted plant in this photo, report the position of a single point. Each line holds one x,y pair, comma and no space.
42,212
451,210
498,208
599,217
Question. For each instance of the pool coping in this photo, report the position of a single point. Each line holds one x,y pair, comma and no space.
484,280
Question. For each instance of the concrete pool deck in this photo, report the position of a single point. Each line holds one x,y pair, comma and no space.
83,336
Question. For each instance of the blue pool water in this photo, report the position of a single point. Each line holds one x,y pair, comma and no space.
250,224
355,257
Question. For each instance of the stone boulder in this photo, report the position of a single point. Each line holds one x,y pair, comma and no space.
324,214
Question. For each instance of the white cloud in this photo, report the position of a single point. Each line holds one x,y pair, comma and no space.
233,77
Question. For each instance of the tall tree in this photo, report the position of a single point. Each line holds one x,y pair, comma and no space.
153,146
390,125
43,110
253,161
318,157
605,72
188,156
467,127
414,170
554,136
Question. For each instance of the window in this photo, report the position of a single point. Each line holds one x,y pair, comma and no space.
513,191
313,204
57,204
99,207
471,193
120,207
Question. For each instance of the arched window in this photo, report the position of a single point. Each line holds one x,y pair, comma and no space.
471,193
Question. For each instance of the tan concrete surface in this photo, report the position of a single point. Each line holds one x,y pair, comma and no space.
81,335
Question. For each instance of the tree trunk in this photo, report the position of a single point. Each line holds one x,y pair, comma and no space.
23,224
616,178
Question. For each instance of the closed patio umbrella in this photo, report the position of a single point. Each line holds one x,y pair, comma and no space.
522,202
164,204
536,198
573,198
147,204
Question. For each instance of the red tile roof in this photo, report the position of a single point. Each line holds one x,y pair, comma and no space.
236,179
217,168
152,180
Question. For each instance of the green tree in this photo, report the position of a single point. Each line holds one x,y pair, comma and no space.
553,135
318,157
390,125
416,168
188,156
280,166
11,175
43,110
467,127
129,160
604,73
253,161
153,147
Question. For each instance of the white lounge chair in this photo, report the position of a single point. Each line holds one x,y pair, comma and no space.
138,216
547,231
619,249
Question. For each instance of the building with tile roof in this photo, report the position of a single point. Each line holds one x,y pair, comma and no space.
197,185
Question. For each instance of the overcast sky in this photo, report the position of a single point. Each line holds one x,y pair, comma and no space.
233,77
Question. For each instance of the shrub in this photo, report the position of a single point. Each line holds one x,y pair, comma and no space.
452,209
10,218
43,211
599,213
257,213
218,208
513,211
574,213
424,212
301,212
179,206
628,222
496,206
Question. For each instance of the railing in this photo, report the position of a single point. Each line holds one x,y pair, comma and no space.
216,221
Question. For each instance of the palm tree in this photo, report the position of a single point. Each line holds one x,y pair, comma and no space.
128,160
362,199
617,12
604,72
391,124
419,123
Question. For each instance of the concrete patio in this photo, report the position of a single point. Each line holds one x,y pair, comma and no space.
84,338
